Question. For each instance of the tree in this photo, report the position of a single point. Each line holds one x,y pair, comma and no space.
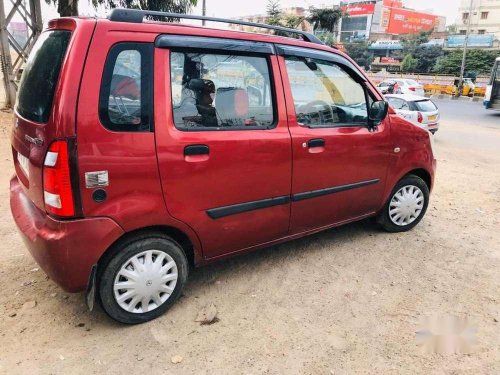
360,53
67,8
409,64
273,13
478,61
325,19
412,41
427,58
291,21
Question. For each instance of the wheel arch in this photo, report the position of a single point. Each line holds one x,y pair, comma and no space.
423,174
174,233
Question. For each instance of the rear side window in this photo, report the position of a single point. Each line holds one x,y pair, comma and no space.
40,76
125,98
221,92
425,106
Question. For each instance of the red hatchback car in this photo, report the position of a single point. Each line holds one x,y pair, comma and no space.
143,149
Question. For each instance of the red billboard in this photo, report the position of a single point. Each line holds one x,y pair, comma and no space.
403,21
359,9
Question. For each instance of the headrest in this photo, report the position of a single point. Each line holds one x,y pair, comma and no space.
232,104
204,86
125,86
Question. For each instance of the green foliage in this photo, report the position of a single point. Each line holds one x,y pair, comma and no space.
409,64
359,52
292,21
412,41
70,7
427,58
273,13
325,18
478,61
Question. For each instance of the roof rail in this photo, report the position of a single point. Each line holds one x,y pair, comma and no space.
137,16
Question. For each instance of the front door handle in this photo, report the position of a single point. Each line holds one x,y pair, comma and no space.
318,142
192,150
196,153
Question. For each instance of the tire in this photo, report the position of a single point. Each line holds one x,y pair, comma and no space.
152,268
408,186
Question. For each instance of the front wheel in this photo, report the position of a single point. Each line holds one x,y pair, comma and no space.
406,206
142,279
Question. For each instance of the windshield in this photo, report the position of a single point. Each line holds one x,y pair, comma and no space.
40,75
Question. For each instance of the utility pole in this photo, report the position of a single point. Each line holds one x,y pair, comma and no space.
204,11
462,69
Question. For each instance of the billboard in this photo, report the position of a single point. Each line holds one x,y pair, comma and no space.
475,40
358,9
404,21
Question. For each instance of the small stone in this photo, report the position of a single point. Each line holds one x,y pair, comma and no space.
495,320
12,315
176,359
374,293
207,315
29,305
36,269
80,325
61,357
53,294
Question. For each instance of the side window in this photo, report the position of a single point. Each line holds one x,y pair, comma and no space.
398,103
325,94
221,92
125,97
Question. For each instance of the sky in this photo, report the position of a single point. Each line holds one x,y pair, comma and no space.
235,8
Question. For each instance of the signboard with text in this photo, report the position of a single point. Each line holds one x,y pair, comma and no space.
404,21
359,9
475,40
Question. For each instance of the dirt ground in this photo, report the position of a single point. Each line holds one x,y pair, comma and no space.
346,301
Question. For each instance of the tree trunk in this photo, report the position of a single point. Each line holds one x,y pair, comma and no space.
67,8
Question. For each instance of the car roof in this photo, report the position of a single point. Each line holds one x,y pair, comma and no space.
407,97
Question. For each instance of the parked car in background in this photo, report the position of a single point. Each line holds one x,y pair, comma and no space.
420,110
410,86
389,86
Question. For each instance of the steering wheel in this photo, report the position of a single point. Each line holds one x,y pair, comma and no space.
311,107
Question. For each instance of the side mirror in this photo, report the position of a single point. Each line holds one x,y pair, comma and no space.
378,111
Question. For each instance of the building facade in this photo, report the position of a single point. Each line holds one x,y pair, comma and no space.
262,18
484,20
388,17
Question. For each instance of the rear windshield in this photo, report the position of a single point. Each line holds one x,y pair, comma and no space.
425,106
40,75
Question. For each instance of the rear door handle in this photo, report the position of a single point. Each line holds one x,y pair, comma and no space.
319,142
193,150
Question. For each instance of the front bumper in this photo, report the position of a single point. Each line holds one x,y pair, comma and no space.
64,249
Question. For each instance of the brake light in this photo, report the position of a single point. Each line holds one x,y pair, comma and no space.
420,117
412,89
57,192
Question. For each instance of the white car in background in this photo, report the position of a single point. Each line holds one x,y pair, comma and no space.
410,86
419,110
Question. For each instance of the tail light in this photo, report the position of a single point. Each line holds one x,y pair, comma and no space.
57,192
412,89
420,117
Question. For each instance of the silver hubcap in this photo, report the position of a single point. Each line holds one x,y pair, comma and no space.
406,205
145,281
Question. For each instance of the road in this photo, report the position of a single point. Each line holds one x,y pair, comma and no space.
345,301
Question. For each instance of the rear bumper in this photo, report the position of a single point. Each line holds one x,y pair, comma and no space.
64,249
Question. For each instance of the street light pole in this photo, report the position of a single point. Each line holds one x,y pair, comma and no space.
464,57
204,11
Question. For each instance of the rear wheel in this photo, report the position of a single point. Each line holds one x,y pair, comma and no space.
143,279
406,206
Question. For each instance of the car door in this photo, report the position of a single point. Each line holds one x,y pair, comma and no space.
339,161
222,140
